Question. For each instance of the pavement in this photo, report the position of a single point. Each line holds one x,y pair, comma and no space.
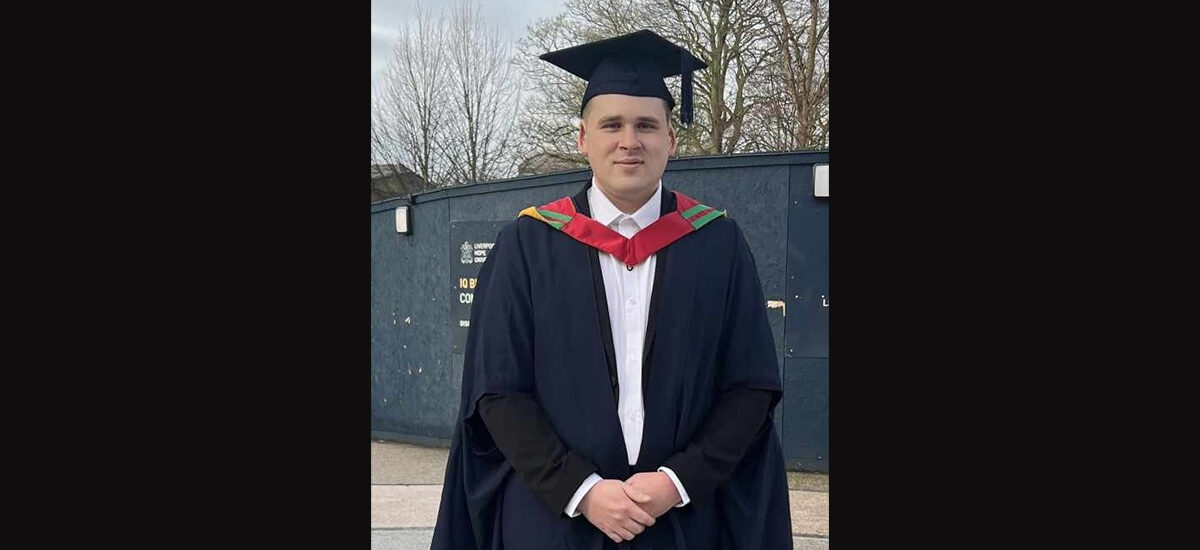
406,489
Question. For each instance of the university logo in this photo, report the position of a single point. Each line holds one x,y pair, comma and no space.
466,252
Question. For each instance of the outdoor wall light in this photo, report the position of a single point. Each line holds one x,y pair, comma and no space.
403,220
821,180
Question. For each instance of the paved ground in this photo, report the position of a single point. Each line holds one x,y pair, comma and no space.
405,491
400,463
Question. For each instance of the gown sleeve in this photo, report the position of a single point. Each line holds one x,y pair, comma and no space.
492,437
748,384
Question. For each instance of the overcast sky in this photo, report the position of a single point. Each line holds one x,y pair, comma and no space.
512,16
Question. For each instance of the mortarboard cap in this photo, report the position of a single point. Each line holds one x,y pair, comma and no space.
632,64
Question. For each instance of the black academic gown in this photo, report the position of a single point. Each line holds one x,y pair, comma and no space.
540,349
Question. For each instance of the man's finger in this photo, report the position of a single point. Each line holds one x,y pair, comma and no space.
634,494
625,534
641,516
633,527
615,537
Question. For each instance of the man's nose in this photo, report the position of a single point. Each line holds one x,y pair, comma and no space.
629,138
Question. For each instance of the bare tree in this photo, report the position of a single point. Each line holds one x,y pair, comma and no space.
729,36
766,87
448,100
407,108
549,120
485,99
796,84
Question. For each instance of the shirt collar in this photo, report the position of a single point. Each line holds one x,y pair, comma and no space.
605,212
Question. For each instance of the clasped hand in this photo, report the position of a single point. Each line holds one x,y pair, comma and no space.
622,510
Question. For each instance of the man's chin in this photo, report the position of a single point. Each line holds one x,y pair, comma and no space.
630,188
625,183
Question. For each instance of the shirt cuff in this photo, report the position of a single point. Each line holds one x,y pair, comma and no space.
579,493
678,486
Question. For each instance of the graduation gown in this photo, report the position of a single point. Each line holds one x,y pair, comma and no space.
538,411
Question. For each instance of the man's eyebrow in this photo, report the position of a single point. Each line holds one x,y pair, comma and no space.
617,118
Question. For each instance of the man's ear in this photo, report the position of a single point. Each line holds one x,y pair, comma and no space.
581,140
671,135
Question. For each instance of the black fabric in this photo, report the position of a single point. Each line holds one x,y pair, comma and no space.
734,424
632,64
602,315
528,442
553,473
669,204
536,332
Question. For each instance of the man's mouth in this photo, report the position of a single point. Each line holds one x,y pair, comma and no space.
629,162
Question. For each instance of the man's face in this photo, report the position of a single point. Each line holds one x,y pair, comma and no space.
627,140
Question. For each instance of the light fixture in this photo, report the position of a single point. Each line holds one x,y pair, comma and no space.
821,180
403,220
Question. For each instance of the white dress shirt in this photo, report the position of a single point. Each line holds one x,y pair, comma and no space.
628,295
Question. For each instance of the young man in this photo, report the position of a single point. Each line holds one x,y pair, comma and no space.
620,372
